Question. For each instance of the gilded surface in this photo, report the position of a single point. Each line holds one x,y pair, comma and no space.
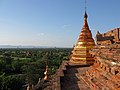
80,53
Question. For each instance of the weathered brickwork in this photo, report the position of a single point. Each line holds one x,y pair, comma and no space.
110,37
106,69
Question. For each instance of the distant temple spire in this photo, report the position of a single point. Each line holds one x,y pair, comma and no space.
46,72
98,33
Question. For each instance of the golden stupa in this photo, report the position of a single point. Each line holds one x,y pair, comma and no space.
80,53
46,73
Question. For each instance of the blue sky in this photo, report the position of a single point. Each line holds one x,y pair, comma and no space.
53,22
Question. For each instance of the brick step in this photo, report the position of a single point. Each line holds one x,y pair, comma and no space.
101,80
104,85
91,84
105,82
113,80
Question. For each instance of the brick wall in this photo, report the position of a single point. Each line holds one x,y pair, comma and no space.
110,37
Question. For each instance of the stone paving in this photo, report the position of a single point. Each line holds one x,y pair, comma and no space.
72,79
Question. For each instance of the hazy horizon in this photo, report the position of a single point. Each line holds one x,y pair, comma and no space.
30,46
53,23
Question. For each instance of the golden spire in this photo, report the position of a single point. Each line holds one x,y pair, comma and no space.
80,53
46,72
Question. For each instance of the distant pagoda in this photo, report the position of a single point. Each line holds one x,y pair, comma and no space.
80,53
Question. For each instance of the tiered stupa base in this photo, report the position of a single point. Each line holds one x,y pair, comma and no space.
83,61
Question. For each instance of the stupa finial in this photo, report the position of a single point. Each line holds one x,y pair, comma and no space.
85,15
85,5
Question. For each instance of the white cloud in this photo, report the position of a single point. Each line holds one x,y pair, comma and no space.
66,26
41,34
